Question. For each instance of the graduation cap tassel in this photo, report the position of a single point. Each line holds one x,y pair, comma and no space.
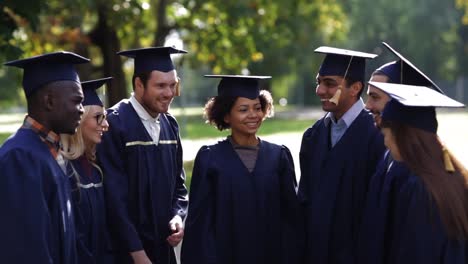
336,97
177,88
447,161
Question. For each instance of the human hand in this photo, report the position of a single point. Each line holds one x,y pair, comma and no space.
140,257
177,228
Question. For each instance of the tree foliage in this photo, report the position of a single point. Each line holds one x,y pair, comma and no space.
463,5
423,30
260,37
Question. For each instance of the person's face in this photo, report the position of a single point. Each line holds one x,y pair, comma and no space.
376,98
326,88
94,124
65,106
390,143
160,89
245,117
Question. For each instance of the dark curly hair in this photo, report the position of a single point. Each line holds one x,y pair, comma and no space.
217,107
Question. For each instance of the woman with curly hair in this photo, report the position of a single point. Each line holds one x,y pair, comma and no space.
86,178
243,206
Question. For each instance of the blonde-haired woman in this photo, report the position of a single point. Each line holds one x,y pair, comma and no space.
86,178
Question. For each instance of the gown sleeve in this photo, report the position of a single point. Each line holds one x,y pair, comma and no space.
199,239
180,202
293,240
84,255
25,224
111,157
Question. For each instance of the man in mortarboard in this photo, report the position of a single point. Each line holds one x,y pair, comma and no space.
401,71
37,222
372,240
338,156
142,156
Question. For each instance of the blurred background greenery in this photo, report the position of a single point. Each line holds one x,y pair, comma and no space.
259,37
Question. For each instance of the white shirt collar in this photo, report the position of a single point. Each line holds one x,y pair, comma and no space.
142,113
349,116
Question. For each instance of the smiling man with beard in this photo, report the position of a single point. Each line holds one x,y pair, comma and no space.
141,155
338,156
37,223
373,237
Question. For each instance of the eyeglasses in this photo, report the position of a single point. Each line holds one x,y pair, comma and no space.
100,118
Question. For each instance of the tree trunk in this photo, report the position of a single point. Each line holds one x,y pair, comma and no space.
105,37
162,29
462,57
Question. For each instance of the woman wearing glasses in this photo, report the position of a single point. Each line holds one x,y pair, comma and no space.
86,178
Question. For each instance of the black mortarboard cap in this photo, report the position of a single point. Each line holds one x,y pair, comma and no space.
414,105
89,90
150,59
342,62
46,68
403,71
239,85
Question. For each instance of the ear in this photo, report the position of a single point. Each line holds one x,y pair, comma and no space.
48,100
227,118
355,88
138,84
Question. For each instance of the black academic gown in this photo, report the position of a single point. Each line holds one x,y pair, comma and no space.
403,225
238,217
36,225
144,183
92,237
333,187
372,232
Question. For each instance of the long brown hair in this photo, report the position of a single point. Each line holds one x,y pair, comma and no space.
422,152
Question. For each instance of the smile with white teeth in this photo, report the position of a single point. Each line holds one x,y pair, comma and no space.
251,124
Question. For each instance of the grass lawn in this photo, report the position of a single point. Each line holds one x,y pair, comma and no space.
188,167
3,137
194,127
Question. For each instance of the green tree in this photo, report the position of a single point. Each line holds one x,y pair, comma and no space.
425,31
258,36
463,5
262,37
11,22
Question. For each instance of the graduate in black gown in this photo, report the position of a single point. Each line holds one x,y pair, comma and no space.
37,221
86,179
243,205
141,156
426,217
372,232
338,156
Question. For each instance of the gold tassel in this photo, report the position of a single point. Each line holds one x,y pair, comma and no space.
177,91
336,97
447,161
